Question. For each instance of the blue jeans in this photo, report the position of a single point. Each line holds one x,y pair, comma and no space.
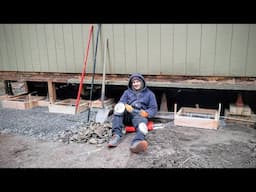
120,121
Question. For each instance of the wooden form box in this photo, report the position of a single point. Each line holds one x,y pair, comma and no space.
108,103
21,102
68,106
197,117
237,110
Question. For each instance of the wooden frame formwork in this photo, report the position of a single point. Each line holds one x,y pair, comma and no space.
21,102
68,106
197,117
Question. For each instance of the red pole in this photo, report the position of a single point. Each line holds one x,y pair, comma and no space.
84,68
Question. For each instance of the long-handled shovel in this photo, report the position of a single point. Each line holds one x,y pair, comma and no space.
93,74
102,114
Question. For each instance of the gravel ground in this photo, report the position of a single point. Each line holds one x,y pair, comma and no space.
39,123
28,139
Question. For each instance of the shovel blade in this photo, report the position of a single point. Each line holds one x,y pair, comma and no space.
102,115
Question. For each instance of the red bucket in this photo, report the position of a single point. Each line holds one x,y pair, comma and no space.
130,129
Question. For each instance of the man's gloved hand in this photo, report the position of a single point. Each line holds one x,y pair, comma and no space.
143,113
128,108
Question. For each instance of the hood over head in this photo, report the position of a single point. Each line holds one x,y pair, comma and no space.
136,76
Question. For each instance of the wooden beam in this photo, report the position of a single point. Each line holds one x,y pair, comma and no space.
51,91
172,81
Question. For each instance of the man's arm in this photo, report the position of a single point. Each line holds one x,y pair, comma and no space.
152,107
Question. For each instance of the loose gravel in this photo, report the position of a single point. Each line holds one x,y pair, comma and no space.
38,122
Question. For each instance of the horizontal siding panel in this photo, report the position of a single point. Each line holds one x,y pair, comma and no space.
130,48
51,49
69,48
19,47
208,48
251,55
154,49
10,47
142,48
78,47
35,55
166,57
239,50
107,32
60,48
43,52
26,45
193,49
180,45
3,50
223,49
119,49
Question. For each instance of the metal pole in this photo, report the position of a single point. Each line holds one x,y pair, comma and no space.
93,74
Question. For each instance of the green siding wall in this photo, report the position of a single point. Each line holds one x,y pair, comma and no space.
152,49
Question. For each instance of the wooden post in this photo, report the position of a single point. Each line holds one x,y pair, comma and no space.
175,109
219,110
51,92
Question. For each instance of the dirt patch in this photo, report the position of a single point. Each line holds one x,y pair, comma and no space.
231,146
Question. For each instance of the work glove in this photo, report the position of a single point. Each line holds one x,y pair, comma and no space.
129,108
143,113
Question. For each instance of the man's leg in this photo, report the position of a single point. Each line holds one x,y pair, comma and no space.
117,126
139,144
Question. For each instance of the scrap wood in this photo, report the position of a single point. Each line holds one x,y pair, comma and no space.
245,119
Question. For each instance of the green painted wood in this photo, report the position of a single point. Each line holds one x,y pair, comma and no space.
251,53
78,47
119,49
239,50
208,48
154,48
35,55
26,45
142,48
193,49
60,47
168,49
42,47
130,48
3,50
180,51
223,49
19,47
100,51
10,47
107,32
51,48
166,57
85,39
69,48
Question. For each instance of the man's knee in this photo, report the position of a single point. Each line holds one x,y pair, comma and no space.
143,128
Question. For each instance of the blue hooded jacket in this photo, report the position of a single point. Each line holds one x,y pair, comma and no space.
143,99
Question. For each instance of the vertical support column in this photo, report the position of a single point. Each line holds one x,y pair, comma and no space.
8,87
51,91
25,86
175,109
219,110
